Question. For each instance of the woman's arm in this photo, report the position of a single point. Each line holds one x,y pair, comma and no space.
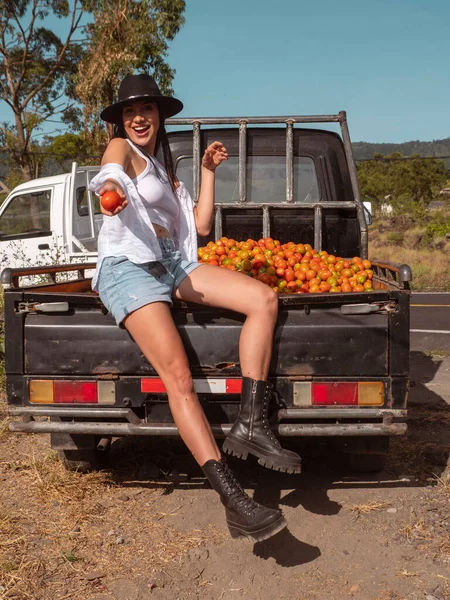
118,152
214,154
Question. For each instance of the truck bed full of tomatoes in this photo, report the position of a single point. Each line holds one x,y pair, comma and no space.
290,268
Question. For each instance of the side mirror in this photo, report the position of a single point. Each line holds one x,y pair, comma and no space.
368,212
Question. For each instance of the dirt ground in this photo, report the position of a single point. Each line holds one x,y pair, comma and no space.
151,529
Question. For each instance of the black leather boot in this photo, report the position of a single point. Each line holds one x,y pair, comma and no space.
244,516
252,434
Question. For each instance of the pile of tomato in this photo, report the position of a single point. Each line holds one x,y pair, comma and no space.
290,268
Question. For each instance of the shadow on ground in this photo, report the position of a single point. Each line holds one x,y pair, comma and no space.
414,460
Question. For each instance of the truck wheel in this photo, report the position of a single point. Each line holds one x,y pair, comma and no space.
367,463
367,455
83,461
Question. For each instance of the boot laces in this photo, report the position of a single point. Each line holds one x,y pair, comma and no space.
234,491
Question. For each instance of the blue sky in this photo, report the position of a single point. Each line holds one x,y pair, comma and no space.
385,62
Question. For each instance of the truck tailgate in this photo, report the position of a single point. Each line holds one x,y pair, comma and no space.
313,337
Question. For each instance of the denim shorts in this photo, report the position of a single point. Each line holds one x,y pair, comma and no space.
124,286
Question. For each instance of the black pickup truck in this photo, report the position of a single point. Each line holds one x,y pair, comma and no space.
340,361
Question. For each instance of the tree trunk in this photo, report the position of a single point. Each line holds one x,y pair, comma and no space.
26,168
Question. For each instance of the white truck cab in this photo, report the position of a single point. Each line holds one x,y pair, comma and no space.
50,220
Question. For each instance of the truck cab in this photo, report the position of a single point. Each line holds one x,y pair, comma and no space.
50,220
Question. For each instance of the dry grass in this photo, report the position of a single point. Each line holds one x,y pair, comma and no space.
429,266
430,414
443,484
406,573
434,540
369,507
51,480
21,573
440,352
4,418
67,524
409,456
4,421
416,529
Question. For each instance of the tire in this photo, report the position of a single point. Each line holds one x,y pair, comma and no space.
83,461
367,463
368,455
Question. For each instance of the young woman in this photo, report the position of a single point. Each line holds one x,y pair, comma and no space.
147,253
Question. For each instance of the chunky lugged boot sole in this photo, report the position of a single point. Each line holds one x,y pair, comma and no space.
258,535
243,449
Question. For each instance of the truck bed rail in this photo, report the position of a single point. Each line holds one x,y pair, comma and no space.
289,121
398,276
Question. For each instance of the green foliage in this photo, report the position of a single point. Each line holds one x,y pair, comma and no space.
401,181
395,237
67,147
126,36
438,227
44,75
36,73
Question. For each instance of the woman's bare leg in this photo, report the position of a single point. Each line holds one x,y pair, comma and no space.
155,333
251,432
258,302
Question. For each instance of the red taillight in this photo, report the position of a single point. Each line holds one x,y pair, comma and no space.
49,391
338,393
75,392
334,393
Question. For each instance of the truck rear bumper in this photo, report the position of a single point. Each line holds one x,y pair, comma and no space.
135,426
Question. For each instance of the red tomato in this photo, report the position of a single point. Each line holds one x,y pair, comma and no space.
289,274
110,200
259,261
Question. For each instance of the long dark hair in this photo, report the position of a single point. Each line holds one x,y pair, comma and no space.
162,141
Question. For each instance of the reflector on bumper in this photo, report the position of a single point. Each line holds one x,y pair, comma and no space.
59,391
208,385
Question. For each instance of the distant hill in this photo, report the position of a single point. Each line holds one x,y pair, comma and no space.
436,148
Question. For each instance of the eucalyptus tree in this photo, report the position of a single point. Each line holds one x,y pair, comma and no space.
61,61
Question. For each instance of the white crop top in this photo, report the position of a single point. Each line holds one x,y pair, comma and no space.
156,193
131,233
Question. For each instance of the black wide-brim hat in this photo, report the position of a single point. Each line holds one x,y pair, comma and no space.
140,87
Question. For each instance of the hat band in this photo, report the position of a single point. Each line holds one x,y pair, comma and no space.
140,96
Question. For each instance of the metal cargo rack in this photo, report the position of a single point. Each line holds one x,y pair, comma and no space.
318,207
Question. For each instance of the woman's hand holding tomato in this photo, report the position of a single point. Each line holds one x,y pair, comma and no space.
214,154
111,186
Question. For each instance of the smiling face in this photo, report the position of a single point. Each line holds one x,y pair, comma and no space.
141,123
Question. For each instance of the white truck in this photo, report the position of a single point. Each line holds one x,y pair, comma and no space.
50,220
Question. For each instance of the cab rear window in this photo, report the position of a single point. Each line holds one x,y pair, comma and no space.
266,179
